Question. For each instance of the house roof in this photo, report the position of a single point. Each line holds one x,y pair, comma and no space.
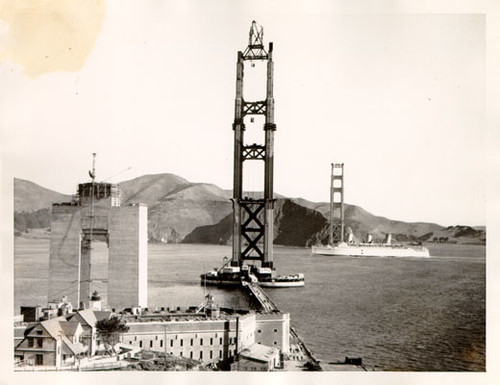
72,348
100,315
70,327
59,329
53,326
258,352
19,335
88,316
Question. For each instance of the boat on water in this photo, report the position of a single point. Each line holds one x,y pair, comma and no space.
267,278
372,250
264,276
336,245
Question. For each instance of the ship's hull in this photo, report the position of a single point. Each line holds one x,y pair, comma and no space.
220,282
372,251
279,284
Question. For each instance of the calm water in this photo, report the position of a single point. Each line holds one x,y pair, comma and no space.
398,314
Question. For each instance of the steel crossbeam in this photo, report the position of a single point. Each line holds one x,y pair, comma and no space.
254,151
253,228
254,108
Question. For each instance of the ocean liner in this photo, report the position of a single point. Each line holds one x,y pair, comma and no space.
372,250
338,247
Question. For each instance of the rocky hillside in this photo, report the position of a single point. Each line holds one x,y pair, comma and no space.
300,225
181,211
293,226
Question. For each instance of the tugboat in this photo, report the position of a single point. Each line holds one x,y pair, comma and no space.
268,279
264,276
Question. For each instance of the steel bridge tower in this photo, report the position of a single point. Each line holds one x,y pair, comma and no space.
337,204
253,217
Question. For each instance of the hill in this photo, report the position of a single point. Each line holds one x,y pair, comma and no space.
300,225
149,189
176,206
32,205
30,197
362,223
182,211
293,226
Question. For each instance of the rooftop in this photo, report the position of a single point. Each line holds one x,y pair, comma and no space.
187,314
259,352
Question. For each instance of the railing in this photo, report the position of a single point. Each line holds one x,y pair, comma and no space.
23,366
104,366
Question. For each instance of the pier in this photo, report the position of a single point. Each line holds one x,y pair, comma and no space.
260,295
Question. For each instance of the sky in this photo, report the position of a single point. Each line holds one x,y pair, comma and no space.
397,94
404,93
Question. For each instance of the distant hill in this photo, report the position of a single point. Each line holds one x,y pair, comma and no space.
300,225
460,234
362,223
30,197
175,206
182,211
32,205
149,189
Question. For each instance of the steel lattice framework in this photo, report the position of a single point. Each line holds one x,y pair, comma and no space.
253,218
337,204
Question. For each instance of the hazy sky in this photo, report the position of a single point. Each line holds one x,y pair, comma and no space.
399,98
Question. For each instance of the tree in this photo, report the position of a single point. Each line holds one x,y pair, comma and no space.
109,332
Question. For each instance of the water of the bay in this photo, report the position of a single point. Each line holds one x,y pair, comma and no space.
396,313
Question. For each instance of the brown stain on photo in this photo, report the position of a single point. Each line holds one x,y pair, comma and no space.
45,36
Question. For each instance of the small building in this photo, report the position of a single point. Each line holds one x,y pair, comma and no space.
54,342
19,332
31,313
87,319
208,334
218,338
257,357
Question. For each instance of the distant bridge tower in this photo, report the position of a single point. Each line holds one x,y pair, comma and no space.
337,204
253,217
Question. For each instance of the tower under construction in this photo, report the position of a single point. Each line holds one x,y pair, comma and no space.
337,204
96,244
253,216
253,211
